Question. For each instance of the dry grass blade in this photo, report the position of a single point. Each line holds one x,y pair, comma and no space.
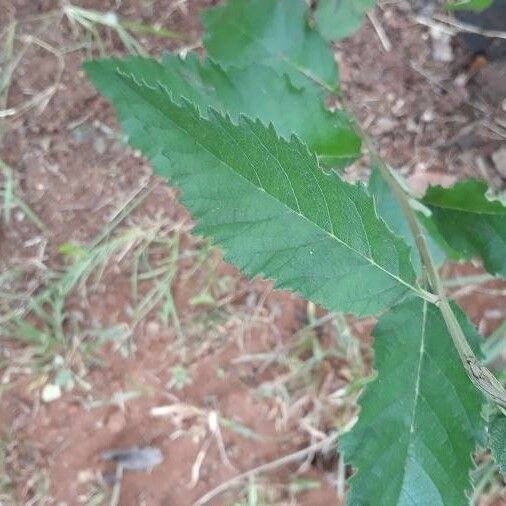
328,443
89,20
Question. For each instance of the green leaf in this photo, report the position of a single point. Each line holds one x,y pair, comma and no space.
265,200
259,92
338,19
469,5
470,224
497,440
420,419
390,211
275,33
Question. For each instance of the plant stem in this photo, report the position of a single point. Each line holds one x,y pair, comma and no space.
481,377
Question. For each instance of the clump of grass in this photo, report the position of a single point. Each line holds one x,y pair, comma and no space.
305,385
41,318
10,199
90,20
22,480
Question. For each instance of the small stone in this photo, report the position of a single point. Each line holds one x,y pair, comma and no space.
428,116
85,476
152,328
50,392
441,45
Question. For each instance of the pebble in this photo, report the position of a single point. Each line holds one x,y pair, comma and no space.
152,328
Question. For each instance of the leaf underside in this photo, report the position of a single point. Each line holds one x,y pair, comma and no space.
470,224
420,419
309,231
274,33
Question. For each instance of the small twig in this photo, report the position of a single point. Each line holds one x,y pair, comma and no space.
382,36
116,491
469,28
328,442
43,98
452,26
195,474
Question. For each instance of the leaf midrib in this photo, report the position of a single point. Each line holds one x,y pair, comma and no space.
131,80
417,395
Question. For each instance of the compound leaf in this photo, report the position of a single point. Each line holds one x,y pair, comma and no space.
497,440
275,33
469,223
337,19
264,199
420,419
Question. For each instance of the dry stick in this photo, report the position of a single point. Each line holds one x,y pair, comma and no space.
466,27
116,491
328,442
380,32
452,26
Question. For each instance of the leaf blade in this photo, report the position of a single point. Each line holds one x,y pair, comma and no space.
272,32
259,187
470,223
338,19
420,420
258,92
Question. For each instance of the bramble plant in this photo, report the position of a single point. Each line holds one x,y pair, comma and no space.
247,138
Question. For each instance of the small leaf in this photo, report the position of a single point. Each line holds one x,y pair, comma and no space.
469,223
469,5
265,200
275,33
497,440
338,19
420,420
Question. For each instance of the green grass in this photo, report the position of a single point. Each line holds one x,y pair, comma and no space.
10,199
40,317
